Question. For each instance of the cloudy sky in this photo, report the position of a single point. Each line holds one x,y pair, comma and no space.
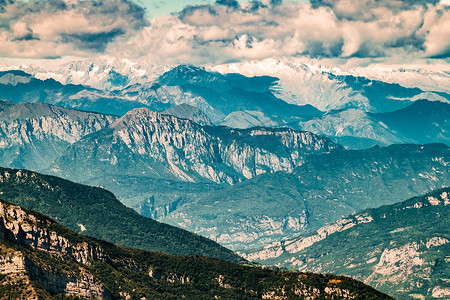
213,32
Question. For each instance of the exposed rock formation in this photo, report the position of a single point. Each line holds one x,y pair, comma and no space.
401,249
146,142
17,226
32,135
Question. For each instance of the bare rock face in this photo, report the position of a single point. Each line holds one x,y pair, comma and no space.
157,145
222,156
40,259
17,226
85,285
293,246
404,256
32,135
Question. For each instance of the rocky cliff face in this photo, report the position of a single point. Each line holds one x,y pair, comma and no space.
84,285
295,245
22,228
324,189
40,259
164,146
401,249
32,135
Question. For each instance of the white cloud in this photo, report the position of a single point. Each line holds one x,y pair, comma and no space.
65,27
436,29
341,28
385,29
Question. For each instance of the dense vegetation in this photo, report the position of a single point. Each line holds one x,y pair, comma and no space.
138,273
323,189
403,251
101,215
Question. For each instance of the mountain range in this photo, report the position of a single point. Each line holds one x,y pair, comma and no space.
421,122
177,171
33,135
96,212
163,146
102,73
352,110
332,87
257,157
41,259
325,188
18,86
401,249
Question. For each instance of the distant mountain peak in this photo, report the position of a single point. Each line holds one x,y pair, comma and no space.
14,77
6,102
188,69
140,116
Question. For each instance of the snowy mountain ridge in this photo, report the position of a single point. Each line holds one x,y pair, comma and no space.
272,93
412,77
299,80
326,88
104,72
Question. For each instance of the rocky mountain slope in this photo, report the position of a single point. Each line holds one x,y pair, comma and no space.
421,122
297,96
354,129
153,145
370,89
186,111
401,249
322,190
377,96
217,95
32,135
248,119
42,259
96,212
